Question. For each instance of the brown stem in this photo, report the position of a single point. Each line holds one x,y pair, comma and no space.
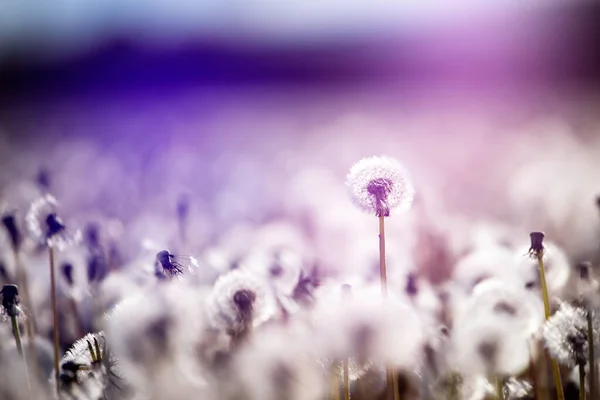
55,318
30,325
390,373
346,379
382,266
555,368
592,358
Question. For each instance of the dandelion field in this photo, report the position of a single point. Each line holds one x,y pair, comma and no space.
319,237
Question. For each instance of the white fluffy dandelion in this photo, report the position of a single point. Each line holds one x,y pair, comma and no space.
566,335
44,226
379,184
492,331
239,301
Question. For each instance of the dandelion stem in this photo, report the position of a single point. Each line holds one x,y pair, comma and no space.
382,266
30,325
555,369
23,283
582,381
17,335
499,387
452,383
334,386
537,395
392,381
592,358
390,373
346,379
55,317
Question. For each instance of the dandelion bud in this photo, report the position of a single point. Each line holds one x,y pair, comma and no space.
183,207
10,299
168,264
10,224
585,270
67,272
43,179
379,184
537,245
411,285
92,235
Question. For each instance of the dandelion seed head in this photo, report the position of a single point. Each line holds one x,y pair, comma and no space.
154,332
282,268
565,335
379,184
239,300
46,227
493,330
489,261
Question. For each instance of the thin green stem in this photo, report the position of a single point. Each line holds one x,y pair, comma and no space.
499,387
537,395
592,358
452,386
23,283
555,369
17,335
582,382
55,318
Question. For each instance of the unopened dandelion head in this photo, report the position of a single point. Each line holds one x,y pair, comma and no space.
171,265
167,262
565,335
537,244
379,184
9,221
10,300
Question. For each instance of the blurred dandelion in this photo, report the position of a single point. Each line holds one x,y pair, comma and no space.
10,304
88,359
238,302
47,228
377,185
171,266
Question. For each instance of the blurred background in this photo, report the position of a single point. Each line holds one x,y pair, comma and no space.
255,110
